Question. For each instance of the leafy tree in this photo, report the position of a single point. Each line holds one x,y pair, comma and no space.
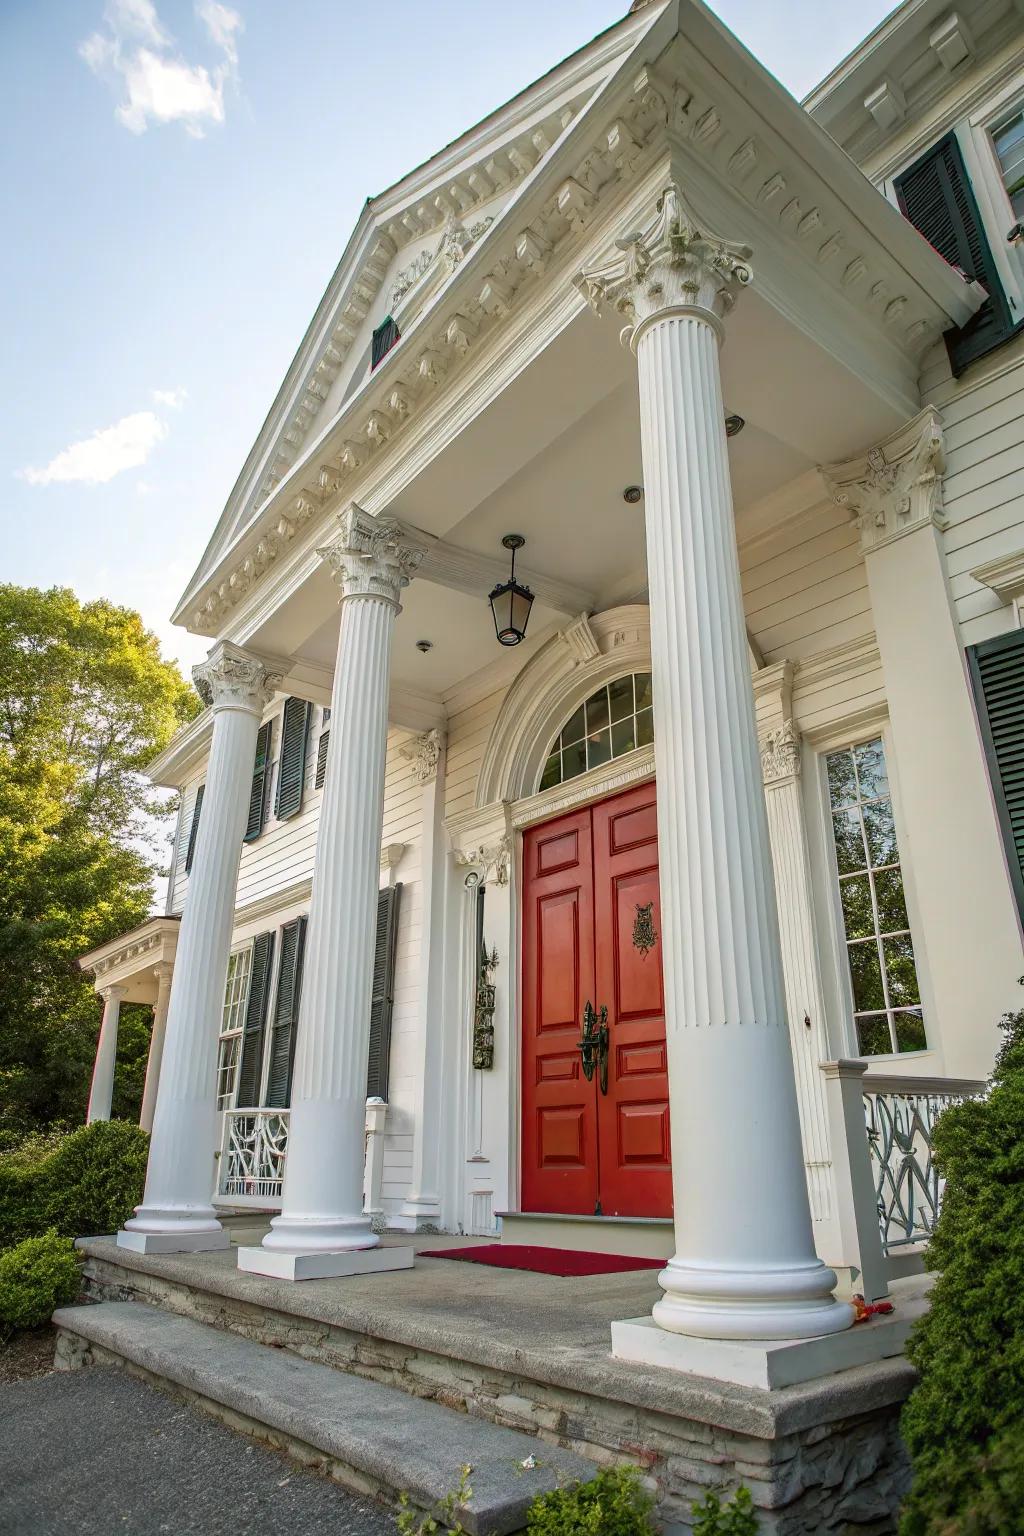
85,701
964,1422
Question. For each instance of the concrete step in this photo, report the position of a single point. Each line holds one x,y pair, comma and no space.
643,1237
374,1438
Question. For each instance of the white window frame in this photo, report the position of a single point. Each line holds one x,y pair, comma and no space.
982,162
234,1033
855,732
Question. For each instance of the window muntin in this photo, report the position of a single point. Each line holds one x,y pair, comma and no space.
880,951
1008,142
236,1000
616,719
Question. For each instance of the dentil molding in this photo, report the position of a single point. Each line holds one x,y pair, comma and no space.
896,487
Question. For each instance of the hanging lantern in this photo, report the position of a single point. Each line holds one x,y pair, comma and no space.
511,601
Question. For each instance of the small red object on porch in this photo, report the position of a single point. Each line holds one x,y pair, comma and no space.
543,1261
863,1311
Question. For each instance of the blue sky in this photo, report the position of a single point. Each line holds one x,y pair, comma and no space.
180,180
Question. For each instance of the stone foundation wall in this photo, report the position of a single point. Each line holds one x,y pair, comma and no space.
843,1475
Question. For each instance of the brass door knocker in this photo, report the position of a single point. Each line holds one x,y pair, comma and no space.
593,1045
644,935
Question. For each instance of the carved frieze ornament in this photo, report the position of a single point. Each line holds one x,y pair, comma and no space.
232,679
372,556
780,753
671,264
895,487
424,752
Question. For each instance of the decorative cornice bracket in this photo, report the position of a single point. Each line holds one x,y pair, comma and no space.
896,487
424,752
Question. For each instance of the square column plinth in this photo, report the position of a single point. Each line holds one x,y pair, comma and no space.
173,1242
768,1364
324,1266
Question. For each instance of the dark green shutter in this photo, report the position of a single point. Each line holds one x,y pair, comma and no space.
291,769
937,197
383,339
250,1068
286,1015
321,757
193,831
260,776
382,999
997,675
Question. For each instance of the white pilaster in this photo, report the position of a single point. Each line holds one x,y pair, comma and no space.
163,973
322,1218
421,1209
805,1007
176,1213
953,853
101,1091
745,1265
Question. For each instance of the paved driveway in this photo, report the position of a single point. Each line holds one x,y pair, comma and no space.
95,1452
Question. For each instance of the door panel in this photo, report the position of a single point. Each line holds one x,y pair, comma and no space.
559,1170
633,1127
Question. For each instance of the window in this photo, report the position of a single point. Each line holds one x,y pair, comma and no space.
236,1000
382,997
997,676
616,719
883,975
1008,142
936,195
384,338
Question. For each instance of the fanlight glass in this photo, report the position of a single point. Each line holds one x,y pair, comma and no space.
615,720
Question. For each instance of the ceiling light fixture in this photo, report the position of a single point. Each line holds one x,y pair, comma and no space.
734,425
510,600
632,494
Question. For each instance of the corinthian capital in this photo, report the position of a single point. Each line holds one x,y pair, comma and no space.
232,679
670,264
371,557
895,487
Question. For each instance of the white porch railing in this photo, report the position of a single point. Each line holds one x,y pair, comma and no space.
254,1147
900,1115
252,1156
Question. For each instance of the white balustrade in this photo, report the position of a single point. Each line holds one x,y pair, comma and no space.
900,1115
252,1157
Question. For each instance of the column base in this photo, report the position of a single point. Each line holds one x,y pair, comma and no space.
767,1363
315,1264
791,1302
173,1242
416,1216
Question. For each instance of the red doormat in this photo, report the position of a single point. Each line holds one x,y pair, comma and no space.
543,1261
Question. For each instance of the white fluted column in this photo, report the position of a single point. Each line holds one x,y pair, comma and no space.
101,1091
163,973
745,1265
176,1214
322,1228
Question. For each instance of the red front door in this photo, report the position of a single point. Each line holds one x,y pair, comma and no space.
590,886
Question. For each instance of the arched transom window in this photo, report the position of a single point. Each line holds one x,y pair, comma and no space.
614,720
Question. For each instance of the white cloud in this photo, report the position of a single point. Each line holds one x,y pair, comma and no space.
157,83
95,460
174,399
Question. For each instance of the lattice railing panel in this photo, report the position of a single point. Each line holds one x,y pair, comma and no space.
900,1118
253,1154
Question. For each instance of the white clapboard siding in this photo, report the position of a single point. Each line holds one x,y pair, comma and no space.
468,733
805,589
983,425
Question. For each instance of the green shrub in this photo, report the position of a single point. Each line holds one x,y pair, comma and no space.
36,1276
613,1504
713,1518
962,1423
80,1184
96,1178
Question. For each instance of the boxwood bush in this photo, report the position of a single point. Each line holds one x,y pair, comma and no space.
614,1503
87,1183
964,1421
36,1276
